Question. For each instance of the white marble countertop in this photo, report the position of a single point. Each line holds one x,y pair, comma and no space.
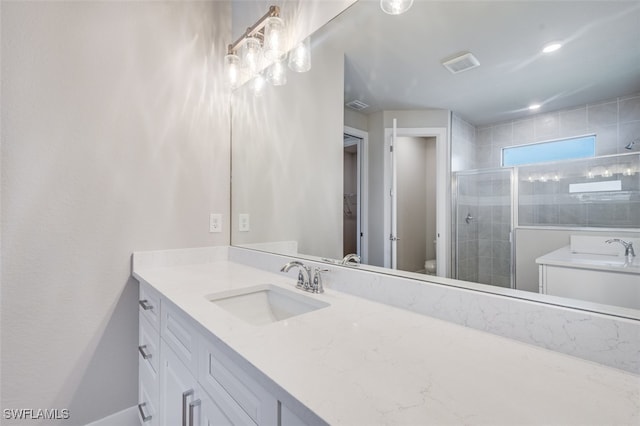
358,362
603,262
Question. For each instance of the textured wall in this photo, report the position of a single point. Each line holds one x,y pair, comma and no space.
114,139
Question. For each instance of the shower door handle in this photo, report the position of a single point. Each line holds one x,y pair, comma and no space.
469,218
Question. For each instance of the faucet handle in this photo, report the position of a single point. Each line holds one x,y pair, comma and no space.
317,280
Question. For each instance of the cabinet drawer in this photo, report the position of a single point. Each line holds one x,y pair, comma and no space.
149,345
218,371
149,305
177,330
148,412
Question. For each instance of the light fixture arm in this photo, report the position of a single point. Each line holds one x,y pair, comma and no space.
255,29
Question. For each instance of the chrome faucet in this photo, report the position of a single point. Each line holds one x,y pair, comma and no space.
350,259
628,247
317,287
304,274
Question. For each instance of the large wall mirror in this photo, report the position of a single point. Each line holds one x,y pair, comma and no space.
391,147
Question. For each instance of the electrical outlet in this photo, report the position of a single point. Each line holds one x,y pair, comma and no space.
243,222
215,222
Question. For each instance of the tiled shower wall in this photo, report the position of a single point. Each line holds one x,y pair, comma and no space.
483,244
615,122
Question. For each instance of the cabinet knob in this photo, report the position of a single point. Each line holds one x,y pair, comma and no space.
192,406
185,395
145,304
145,418
143,352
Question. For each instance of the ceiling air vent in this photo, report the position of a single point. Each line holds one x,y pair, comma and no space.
461,62
357,105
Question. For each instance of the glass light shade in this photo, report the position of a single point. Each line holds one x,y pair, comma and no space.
277,73
232,70
274,38
395,7
257,84
251,56
300,56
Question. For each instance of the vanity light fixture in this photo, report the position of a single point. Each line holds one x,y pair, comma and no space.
263,46
395,7
300,56
551,47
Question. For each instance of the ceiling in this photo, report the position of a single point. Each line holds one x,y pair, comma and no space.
394,62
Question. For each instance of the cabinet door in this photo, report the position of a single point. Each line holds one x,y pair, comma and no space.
220,411
177,389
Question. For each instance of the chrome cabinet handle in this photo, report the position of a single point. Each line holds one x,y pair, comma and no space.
185,395
145,304
143,352
192,406
141,409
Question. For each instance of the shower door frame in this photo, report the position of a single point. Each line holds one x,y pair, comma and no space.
513,196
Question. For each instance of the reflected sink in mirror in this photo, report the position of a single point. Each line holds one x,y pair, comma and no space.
604,260
265,304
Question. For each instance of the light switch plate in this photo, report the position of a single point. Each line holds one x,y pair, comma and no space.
243,222
215,222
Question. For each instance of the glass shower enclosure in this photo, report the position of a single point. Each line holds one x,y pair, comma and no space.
483,226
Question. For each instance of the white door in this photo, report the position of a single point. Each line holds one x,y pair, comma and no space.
393,236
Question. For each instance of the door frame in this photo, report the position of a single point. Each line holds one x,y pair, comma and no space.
443,193
363,190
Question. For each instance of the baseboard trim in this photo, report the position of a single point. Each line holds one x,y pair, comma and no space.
126,417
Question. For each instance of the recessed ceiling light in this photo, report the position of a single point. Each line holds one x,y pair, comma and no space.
534,107
551,47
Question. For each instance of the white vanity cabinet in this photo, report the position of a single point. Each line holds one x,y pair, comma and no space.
610,288
187,377
581,272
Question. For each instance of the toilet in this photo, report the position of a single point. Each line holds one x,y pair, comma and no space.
430,267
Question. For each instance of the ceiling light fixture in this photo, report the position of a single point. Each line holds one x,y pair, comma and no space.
551,47
395,7
263,46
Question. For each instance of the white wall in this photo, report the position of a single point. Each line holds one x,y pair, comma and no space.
287,159
114,139
412,202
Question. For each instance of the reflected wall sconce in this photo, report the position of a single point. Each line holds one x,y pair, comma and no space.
395,7
260,55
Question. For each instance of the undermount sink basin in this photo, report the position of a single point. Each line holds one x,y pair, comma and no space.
265,304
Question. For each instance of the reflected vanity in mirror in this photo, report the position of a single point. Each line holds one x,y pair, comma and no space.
391,147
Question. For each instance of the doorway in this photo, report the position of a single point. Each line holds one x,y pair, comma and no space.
416,203
355,192
442,194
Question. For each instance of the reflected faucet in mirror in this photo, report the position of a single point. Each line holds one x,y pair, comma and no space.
351,259
629,252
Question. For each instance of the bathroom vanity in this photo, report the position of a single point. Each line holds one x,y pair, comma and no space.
588,269
340,359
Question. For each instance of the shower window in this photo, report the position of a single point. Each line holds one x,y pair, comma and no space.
601,192
543,152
